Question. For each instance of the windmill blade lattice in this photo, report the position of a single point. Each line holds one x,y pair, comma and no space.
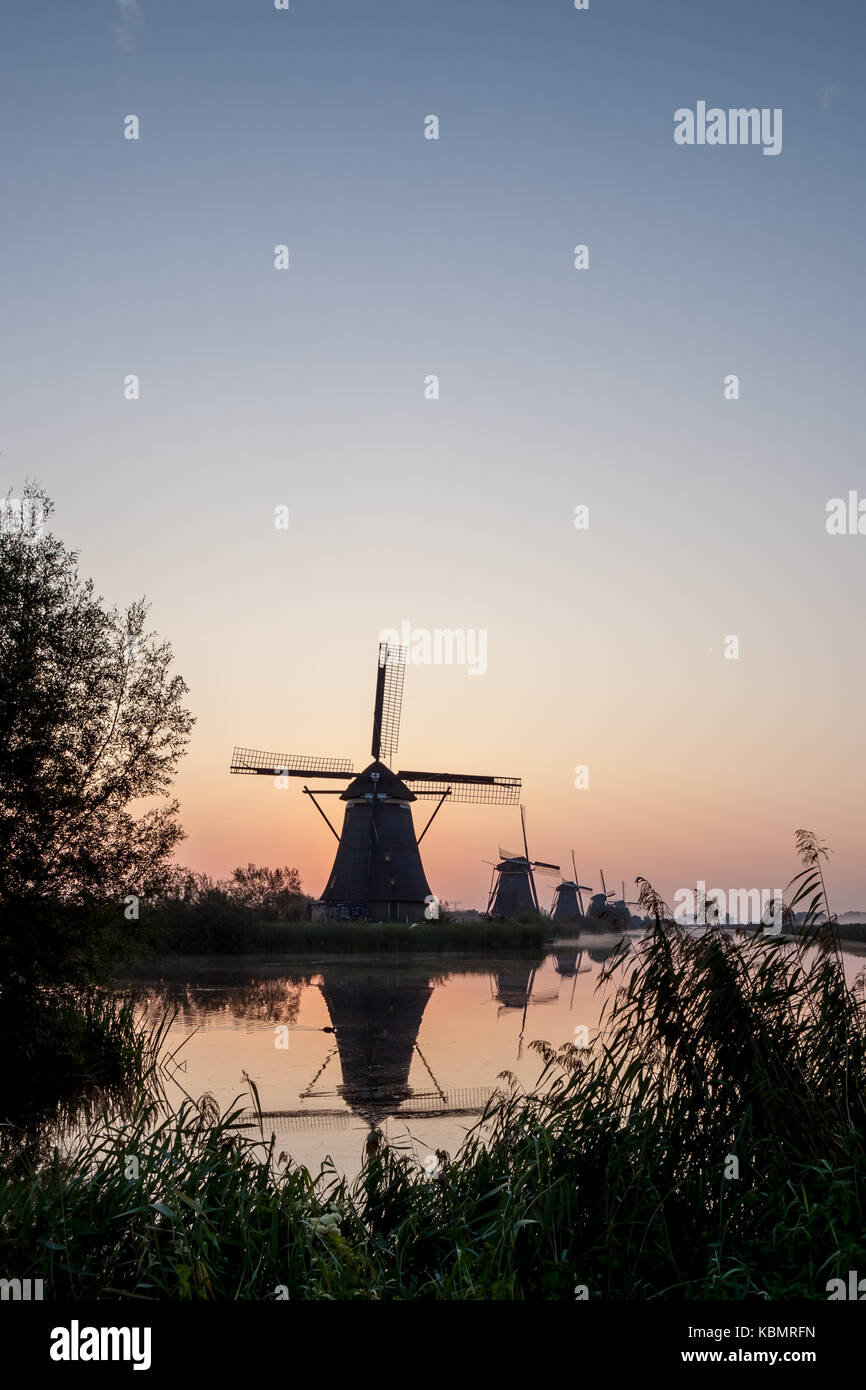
489,791
253,760
389,701
377,873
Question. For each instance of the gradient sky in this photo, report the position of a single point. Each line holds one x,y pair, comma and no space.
558,387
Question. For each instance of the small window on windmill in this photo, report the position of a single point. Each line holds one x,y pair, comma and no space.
387,856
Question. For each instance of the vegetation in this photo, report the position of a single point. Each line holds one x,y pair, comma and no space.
237,933
92,721
67,1051
260,909
198,915
709,1144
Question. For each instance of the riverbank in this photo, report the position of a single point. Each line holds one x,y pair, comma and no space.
362,937
709,1143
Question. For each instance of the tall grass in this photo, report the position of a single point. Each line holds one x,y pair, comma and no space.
357,937
616,1173
68,1049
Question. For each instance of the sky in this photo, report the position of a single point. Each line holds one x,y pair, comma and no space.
604,387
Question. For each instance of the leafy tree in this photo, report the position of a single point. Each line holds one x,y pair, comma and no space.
276,893
91,722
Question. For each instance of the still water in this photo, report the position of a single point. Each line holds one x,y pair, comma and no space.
339,1044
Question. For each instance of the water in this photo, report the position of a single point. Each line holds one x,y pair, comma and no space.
413,1045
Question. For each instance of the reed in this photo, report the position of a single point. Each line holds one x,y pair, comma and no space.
360,937
710,1143
70,1049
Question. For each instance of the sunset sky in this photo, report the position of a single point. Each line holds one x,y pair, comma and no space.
558,387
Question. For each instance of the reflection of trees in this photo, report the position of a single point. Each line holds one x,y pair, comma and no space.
275,1000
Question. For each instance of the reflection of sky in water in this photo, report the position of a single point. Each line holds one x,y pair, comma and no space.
413,1045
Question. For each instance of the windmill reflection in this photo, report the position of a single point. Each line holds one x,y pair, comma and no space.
376,1025
515,988
568,964
376,1021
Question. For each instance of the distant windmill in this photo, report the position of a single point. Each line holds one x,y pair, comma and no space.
512,886
609,912
377,870
567,899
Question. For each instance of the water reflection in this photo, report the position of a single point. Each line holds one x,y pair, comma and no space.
413,1046
363,1049
376,1025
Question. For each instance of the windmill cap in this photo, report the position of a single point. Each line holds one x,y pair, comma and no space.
379,779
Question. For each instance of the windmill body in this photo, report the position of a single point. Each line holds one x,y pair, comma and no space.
377,869
568,899
565,904
512,889
377,873
611,914
599,907
513,892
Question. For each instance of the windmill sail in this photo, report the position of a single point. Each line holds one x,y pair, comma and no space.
490,791
378,874
252,760
388,702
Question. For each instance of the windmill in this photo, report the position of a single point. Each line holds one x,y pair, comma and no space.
377,872
512,885
611,913
376,1023
567,899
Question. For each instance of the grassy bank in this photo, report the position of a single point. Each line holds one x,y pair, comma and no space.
852,931
711,1144
61,1045
361,937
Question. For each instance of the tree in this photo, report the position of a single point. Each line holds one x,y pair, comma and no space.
275,893
91,721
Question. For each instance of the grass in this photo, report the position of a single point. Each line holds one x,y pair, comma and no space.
362,937
63,1048
709,1144
610,1175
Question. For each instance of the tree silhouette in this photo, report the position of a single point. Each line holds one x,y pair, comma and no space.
91,721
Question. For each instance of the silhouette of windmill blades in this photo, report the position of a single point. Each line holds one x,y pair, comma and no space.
377,871
466,1101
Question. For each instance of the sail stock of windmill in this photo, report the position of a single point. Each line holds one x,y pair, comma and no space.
377,872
